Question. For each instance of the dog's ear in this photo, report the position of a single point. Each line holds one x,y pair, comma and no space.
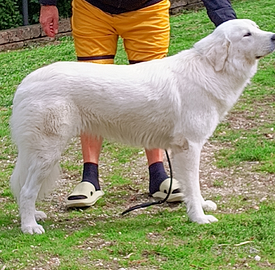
217,54
214,49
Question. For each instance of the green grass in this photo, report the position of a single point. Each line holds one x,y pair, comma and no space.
250,144
149,241
160,237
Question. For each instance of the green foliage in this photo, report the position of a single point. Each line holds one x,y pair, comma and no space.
11,12
33,9
64,7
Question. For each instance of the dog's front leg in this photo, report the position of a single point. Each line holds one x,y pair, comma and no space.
186,166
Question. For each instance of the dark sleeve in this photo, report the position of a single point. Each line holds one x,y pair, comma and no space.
48,2
219,11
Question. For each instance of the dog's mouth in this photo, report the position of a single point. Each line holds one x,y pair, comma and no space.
267,50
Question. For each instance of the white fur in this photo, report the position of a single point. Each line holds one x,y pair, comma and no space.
175,103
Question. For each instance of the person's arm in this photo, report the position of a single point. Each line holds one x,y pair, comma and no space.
219,11
49,17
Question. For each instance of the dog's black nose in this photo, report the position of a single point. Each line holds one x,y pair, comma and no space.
273,37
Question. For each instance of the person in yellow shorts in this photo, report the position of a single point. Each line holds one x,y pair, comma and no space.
145,29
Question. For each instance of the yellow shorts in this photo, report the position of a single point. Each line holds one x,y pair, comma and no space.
145,32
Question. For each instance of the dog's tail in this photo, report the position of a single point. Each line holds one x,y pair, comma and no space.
25,166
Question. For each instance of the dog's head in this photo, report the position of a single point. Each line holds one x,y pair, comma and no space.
237,41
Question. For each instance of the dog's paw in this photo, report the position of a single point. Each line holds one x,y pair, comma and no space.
40,215
32,229
209,205
204,219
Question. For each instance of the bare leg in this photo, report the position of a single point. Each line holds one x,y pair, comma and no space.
88,191
154,155
91,147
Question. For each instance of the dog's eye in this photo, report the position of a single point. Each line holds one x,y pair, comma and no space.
247,34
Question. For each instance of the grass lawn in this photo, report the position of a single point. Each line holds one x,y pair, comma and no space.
237,172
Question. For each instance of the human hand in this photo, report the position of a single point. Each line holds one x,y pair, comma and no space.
49,20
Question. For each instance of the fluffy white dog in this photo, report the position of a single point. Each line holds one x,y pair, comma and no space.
176,102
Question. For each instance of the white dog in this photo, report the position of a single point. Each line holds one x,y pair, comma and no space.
176,102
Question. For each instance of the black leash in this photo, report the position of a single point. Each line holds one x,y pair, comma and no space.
143,205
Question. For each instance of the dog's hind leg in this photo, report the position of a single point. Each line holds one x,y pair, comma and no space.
186,165
21,174
38,172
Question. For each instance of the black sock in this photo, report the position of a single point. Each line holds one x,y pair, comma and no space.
90,174
157,175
